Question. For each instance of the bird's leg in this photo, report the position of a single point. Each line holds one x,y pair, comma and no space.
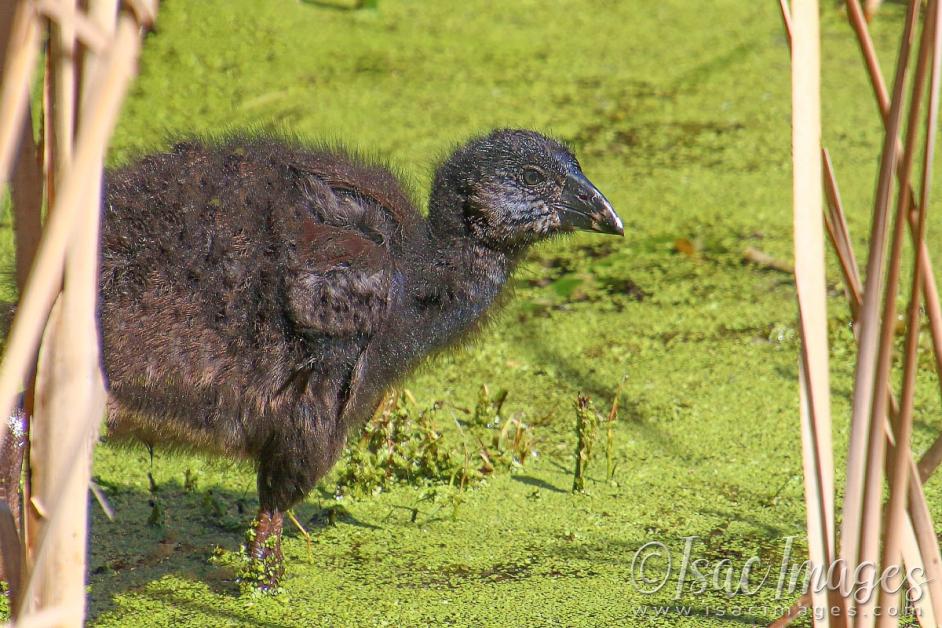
266,562
12,446
284,478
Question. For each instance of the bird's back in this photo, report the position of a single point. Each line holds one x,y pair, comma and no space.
236,275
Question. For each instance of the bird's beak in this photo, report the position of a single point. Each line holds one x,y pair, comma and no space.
583,207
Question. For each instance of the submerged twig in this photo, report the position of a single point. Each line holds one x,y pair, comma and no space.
764,260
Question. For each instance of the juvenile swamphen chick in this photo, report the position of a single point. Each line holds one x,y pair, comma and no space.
258,298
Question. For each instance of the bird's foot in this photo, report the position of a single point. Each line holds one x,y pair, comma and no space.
266,564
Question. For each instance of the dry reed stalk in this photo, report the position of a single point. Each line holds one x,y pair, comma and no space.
95,127
812,292
795,611
26,192
919,532
840,240
921,520
75,384
69,385
27,197
840,222
857,477
919,543
26,201
55,616
70,382
18,32
58,129
859,23
836,226
21,55
59,97
786,21
871,7
840,237
102,16
87,31
933,456
20,43
930,459
912,558
933,307
927,541
873,492
896,510
820,522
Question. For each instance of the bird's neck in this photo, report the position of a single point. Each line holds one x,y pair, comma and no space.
444,292
460,285
476,273
461,280
476,263
467,274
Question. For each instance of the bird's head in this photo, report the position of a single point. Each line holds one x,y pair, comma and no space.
512,188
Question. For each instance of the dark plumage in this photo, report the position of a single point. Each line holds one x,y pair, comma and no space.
258,298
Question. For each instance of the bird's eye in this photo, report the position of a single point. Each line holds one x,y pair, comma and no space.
532,176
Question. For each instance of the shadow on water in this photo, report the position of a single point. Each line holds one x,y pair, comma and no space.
318,517
632,412
537,483
566,367
229,617
176,532
352,5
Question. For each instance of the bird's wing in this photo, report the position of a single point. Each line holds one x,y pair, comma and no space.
341,287
367,198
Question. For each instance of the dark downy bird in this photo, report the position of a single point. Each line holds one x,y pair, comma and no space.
258,298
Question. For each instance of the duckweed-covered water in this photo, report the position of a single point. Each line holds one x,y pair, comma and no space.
680,113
